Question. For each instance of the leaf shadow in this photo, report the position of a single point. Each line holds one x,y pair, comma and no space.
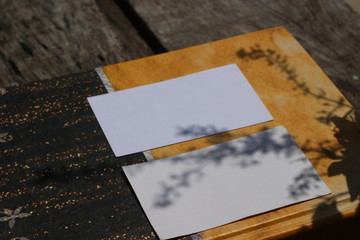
244,152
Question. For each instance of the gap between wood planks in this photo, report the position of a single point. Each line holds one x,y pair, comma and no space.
141,27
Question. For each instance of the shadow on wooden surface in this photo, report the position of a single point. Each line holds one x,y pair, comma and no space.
345,230
47,39
286,78
344,155
344,158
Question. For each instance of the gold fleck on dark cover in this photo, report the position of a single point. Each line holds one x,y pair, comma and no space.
58,176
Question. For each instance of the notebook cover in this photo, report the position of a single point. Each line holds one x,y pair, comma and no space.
298,95
58,176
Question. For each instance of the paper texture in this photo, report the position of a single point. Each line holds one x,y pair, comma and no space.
213,186
154,115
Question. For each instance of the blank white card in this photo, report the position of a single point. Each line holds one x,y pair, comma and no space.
156,115
217,185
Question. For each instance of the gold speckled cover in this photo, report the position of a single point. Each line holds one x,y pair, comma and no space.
58,176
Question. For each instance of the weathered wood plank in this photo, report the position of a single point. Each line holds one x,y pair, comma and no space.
328,30
44,39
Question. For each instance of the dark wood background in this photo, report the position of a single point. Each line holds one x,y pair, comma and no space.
46,39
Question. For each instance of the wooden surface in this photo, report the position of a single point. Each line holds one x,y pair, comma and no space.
298,95
45,39
328,30
41,40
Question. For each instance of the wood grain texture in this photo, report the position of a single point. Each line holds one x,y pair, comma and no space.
44,39
314,112
328,29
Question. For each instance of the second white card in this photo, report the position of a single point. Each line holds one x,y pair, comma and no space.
213,186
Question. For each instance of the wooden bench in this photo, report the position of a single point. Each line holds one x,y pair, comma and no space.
43,40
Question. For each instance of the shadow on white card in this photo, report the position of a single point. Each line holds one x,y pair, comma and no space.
217,185
147,117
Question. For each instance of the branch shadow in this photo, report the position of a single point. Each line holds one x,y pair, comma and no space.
345,157
281,62
303,182
247,152
345,161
